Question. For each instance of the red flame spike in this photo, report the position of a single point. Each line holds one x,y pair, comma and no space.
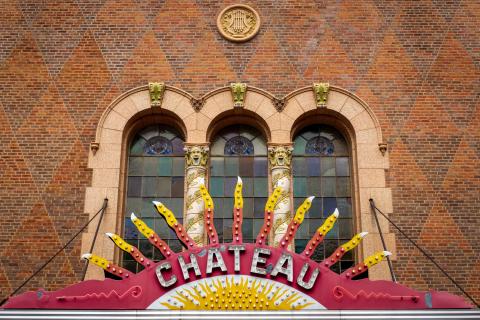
152,237
344,248
320,234
133,251
295,223
180,231
208,214
237,213
268,218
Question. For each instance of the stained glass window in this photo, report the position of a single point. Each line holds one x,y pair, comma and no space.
155,172
239,151
321,168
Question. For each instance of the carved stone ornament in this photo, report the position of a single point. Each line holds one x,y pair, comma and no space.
196,156
382,147
280,156
321,93
238,22
156,89
197,104
94,146
279,104
238,93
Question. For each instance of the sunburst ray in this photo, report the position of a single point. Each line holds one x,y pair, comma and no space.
268,218
152,237
320,234
133,251
180,231
296,222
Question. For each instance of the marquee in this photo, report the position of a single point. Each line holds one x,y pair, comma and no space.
236,275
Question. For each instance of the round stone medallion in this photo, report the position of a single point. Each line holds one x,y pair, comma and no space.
238,22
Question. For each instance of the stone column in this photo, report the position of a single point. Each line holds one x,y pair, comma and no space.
196,159
280,158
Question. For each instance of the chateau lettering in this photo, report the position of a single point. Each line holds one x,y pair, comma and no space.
216,260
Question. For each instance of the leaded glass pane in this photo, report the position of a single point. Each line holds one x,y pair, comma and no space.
321,168
164,166
135,167
155,172
217,167
239,151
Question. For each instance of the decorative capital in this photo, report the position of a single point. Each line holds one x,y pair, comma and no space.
94,146
321,93
156,89
382,146
280,156
197,104
279,103
238,93
196,156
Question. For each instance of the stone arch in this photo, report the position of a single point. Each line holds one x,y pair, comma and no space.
355,119
125,114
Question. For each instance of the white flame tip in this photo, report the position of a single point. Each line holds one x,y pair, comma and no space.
201,180
157,203
311,198
133,217
86,256
363,234
336,213
239,180
108,234
387,253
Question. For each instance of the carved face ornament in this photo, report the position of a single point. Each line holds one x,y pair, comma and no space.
196,156
280,156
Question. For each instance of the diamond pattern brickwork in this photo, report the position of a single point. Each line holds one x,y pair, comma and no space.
416,63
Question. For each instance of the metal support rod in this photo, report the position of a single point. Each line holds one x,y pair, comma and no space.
390,266
85,266
428,256
102,209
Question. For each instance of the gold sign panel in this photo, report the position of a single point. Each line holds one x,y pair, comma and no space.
238,22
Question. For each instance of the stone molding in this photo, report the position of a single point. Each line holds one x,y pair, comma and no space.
368,171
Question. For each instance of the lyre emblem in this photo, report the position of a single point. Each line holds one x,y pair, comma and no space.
238,22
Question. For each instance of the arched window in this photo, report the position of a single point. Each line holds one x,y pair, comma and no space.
239,151
155,172
321,168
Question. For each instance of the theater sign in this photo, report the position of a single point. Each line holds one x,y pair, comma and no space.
236,275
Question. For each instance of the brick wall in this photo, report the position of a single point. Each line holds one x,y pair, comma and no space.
416,64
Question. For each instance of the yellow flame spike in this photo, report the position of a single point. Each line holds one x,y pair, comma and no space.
344,248
364,266
141,226
355,241
273,199
300,214
320,234
106,265
119,242
207,199
376,258
296,222
328,224
165,212
238,194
